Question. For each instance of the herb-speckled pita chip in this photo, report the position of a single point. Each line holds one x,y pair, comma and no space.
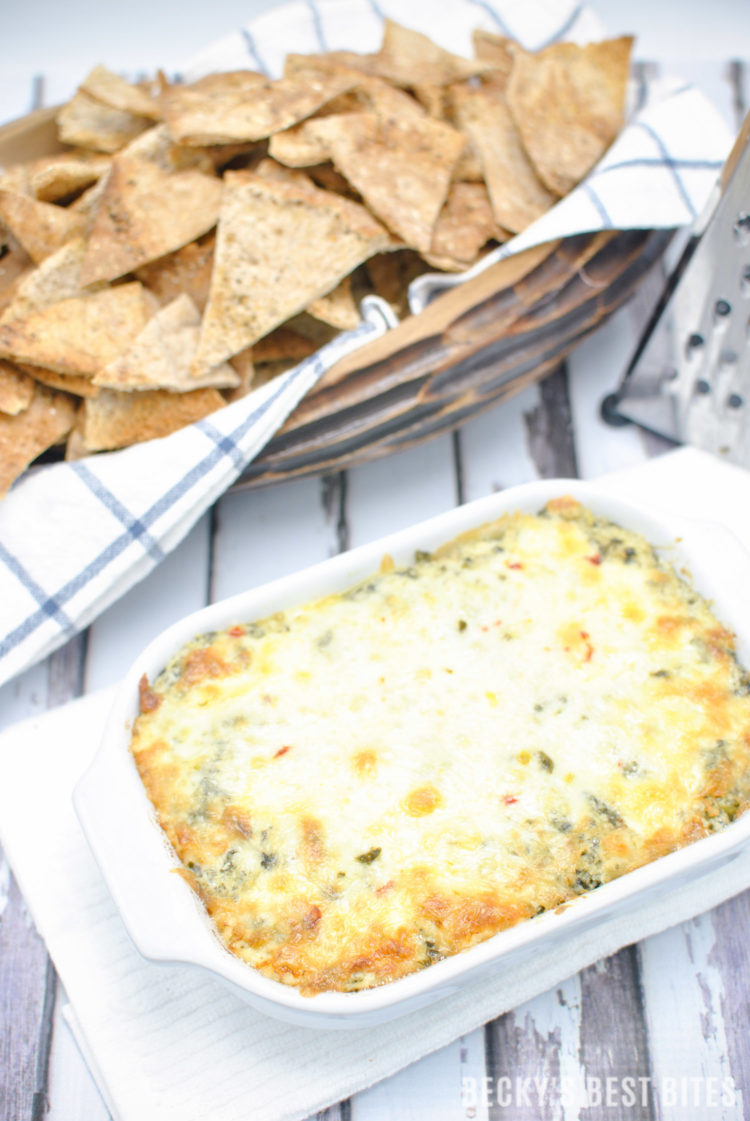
186,270
409,58
278,247
46,421
70,383
251,111
40,227
338,308
518,196
80,335
161,356
401,168
112,90
244,367
87,123
16,389
145,213
299,146
568,103
116,420
57,278
466,223
59,176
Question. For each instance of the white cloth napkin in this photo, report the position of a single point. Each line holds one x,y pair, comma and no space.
74,537
169,1042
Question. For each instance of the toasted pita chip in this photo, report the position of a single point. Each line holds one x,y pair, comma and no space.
497,49
111,90
58,177
17,179
80,335
116,420
299,146
249,112
186,270
161,356
57,278
156,148
326,176
409,58
330,62
15,266
271,169
40,227
46,421
466,223
278,247
87,123
402,168
517,194
70,383
337,308
16,389
244,367
283,343
568,104
145,213
87,204
391,274
75,448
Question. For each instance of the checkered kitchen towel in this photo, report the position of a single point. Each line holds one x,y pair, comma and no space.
74,537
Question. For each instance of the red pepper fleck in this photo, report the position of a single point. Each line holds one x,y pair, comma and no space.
236,632
385,887
589,647
514,564
596,559
282,751
509,799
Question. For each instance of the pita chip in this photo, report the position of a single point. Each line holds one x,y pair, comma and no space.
186,270
497,49
39,227
112,90
391,274
15,266
338,308
46,421
283,343
60,176
144,213
466,223
409,58
57,278
161,356
278,247
568,104
16,389
69,383
115,420
247,110
517,194
79,335
401,168
87,123
244,367
299,146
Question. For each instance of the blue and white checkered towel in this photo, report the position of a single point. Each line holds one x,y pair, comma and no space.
74,537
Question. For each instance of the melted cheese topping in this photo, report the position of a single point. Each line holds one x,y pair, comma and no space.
362,786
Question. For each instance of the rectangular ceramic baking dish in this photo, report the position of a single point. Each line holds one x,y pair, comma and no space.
165,919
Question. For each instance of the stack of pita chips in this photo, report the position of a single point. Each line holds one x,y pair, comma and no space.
191,241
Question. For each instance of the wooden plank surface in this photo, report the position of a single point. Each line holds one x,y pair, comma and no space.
670,1014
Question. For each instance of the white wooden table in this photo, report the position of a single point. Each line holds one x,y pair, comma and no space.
670,1014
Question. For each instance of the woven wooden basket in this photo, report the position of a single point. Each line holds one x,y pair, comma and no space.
472,346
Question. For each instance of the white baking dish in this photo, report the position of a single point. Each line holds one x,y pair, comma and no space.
167,922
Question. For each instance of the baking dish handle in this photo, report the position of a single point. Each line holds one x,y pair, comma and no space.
158,909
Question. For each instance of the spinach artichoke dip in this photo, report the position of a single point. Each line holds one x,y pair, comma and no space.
362,786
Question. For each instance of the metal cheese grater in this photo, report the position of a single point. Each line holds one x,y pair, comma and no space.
689,378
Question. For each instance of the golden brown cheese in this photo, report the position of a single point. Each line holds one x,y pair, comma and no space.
364,785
